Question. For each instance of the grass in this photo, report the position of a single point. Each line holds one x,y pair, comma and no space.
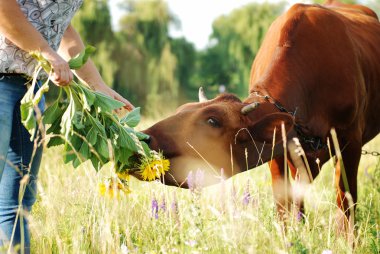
236,216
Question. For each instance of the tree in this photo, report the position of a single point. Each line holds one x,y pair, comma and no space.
186,62
93,23
237,38
146,63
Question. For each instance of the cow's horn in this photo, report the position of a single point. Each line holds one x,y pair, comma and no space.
246,109
202,95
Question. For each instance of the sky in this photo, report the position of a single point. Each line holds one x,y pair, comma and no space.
196,16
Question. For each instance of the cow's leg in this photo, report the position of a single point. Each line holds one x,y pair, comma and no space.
281,186
346,182
298,199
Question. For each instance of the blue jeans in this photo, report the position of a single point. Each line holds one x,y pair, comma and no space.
16,161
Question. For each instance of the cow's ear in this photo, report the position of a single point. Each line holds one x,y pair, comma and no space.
269,127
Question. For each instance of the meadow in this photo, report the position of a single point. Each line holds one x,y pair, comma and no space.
236,216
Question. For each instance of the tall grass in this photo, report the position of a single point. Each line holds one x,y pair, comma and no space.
236,216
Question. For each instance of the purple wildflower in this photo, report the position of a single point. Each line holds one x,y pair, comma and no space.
195,181
174,206
163,204
299,216
154,208
246,195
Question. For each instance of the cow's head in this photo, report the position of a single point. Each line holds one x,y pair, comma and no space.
213,134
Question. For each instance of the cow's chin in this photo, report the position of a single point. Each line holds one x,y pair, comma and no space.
202,173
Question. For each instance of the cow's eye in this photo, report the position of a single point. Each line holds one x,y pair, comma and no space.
213,122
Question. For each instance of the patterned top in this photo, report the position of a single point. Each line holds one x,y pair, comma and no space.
51,18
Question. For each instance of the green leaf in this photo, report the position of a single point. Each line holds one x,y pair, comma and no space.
132,119
79,60
105,103
69,154
67,117
141,136
84,153
102,148
127,139
55,141
38,96
71,149
98,126
28,118
78,120
146,148
96,163
123,155
55,128
84,150
136,141
91,136
88,98
52,113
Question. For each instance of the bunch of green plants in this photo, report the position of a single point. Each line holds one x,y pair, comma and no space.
85,123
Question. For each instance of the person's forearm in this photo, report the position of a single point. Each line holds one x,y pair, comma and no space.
71,45
16,28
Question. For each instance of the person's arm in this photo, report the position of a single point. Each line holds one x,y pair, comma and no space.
16,28
71,45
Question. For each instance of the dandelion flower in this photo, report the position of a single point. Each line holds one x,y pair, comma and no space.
150,170
123,176
112,188
102,188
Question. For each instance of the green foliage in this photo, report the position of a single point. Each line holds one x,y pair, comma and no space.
186,67
146,64
237,38
83,120
93,23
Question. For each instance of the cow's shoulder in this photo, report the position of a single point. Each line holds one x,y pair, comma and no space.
310,20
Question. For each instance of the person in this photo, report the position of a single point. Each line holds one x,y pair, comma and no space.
25,26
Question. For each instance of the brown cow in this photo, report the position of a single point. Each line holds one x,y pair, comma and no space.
317,69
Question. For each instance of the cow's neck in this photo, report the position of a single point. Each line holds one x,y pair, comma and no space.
278,97
262,153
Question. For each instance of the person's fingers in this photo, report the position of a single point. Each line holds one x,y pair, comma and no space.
128,105
62,76
71,75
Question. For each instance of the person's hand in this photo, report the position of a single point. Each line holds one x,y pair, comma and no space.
61,73
108,91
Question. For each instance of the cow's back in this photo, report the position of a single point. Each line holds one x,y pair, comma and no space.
324,62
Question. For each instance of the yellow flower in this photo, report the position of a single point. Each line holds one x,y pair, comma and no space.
102,188
123,176
112,188
154,169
